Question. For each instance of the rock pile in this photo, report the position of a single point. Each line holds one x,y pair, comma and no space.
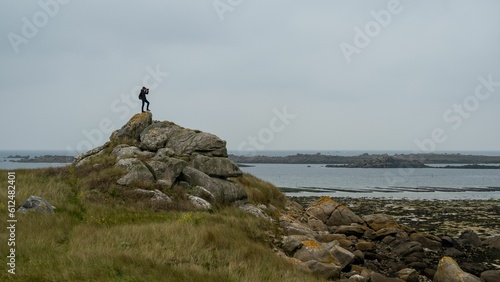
166,154
329,239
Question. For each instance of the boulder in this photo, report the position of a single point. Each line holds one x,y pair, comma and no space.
252,209
333,213
491,276
322,208
86,157
203,193
341,256
216,166
291,243
223,190
353,229
133,128
449,271
156,196
380,221
137,172
365,246
163,154
408,275
493,242
313,250
125,151
469,237
167,171
427,240
36,204
316,224
407,248
326,270
199,203
182,141
291,226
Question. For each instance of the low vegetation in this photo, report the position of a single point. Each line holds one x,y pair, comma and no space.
100,233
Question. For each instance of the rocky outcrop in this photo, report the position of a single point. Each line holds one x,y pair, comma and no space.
334,242
165,154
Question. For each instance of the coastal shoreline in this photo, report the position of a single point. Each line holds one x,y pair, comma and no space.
441,217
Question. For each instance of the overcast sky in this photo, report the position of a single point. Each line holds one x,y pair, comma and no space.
274,75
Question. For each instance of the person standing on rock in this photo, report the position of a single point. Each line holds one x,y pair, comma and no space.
142,96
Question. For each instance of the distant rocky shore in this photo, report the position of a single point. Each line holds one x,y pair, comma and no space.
41,159
378,160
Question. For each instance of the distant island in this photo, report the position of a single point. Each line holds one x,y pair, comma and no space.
41,159
378,160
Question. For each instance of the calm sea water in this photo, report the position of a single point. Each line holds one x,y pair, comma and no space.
6,164
318,180
423,183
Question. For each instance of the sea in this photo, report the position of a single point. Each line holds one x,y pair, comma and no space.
318,180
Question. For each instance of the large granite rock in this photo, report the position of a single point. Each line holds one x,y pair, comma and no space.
136,172
134,127
333,213
183,141
166,172
223,190
216,166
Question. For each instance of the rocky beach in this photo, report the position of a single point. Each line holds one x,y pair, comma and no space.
358,239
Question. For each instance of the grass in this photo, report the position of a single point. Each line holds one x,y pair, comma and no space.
98,234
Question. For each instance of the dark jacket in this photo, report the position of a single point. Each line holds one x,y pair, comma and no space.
143,93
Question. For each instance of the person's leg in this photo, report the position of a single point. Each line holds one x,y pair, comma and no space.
147,108
142,108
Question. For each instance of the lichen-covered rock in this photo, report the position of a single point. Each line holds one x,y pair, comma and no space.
156,196
216,166
379,221
125,151
223,190
449,271
333,213
133,128
86,157
137,172
203,193
36,204
182,141
199,203
166,172
313,250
